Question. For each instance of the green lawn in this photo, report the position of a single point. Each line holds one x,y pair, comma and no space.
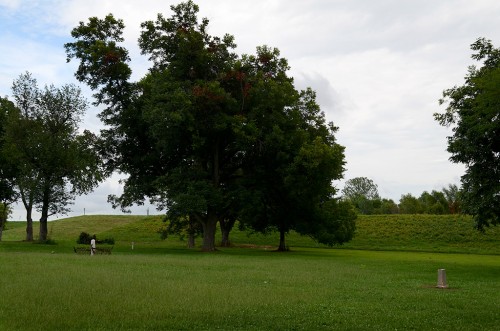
161,285
244,289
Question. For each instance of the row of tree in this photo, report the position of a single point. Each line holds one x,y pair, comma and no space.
363,194
214,137
208,135
45,160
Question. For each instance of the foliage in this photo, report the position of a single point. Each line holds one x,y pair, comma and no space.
208,134
84,238
453,197
8,169
433,203
473,112
56,161
362,192
387,206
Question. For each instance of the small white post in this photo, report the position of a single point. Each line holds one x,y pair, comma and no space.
132,245
442,279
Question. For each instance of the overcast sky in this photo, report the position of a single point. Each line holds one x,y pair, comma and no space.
379,68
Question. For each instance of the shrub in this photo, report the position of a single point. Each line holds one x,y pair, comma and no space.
84,238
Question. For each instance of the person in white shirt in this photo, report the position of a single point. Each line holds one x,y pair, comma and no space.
92,246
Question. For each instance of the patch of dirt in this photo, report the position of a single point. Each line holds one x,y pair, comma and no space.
440,288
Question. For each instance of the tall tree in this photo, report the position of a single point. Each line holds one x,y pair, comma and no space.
363,194
433,203
8,169
189,131
56,161
408,204
473,112
172,133
452,195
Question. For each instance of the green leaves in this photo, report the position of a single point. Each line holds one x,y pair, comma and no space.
208,134
103,64
473,111
54,161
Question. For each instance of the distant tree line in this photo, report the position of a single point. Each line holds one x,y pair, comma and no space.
363,194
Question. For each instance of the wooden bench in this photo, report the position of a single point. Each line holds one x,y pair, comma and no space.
98,250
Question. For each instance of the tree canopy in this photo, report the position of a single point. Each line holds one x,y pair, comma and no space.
473,112
362,192
209,135
55,161
8,169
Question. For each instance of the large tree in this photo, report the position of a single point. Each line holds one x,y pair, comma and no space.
362,192
473,112
8,169
190,132
56,161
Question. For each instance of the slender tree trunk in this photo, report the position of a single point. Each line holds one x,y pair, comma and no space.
209,228
28,205
3,217
282,247
44,217
29,225
193,226
225,237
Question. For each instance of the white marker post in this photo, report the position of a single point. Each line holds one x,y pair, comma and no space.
132,245
442,279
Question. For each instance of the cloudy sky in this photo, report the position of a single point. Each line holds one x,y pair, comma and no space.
379,68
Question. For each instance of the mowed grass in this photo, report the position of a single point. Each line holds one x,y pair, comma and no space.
243,289
427,233
161,285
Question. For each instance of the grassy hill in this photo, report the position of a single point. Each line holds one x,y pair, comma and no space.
432,233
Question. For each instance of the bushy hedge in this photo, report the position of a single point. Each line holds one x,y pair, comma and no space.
84,239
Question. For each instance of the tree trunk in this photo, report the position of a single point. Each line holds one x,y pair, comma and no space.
3,218
29,225
44,217
209,228
191,242
28,205
226,225
43,229
282,247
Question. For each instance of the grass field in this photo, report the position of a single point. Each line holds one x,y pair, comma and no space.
380,281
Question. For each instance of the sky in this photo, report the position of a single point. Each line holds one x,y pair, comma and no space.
379,68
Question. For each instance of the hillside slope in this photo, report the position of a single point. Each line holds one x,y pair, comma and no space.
435,233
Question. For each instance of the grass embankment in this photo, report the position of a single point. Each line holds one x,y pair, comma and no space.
429,233
46,287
